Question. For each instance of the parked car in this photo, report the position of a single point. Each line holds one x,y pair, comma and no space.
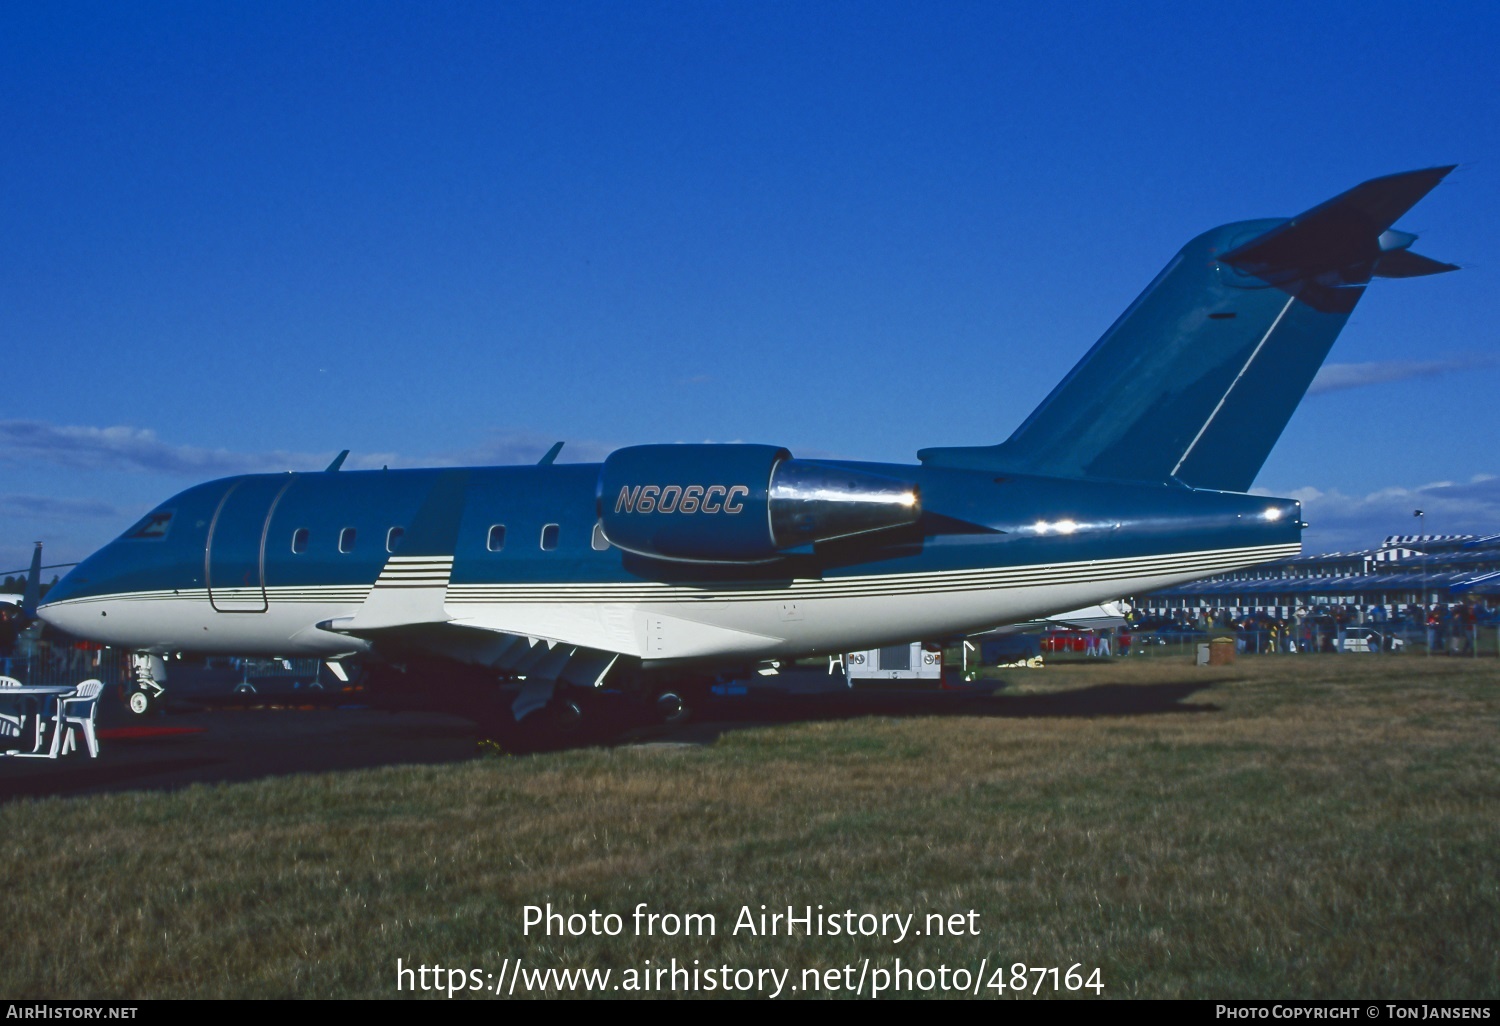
1165,632
1368,639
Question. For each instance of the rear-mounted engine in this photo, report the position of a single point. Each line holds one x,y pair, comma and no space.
740,503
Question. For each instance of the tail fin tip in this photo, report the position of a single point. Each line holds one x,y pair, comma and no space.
1348,239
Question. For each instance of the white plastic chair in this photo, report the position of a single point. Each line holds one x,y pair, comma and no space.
11,723
78,710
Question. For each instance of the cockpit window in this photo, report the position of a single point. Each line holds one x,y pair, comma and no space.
153,528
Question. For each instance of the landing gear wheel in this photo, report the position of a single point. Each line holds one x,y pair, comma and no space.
565,714
140,702
562,721
672,708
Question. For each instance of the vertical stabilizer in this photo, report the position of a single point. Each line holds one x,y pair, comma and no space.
33,594
1195,382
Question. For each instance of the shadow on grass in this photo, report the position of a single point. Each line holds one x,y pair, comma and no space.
240,745
228,746
78,777
722,716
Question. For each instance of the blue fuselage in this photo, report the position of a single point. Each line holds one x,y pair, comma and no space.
274,564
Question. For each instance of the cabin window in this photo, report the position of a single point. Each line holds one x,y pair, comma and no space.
549,537
497,538
600,542
299,539
346,540
393,538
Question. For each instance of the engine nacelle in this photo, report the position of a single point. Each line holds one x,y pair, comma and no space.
740,503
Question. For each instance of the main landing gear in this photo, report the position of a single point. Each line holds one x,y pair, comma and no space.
562,719
595,699
672,706
533,720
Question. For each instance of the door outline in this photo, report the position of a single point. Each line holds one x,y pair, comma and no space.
265,528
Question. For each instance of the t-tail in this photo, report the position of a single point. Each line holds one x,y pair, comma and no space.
33,593
1196,381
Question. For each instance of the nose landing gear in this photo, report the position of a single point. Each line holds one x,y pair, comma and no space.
146,694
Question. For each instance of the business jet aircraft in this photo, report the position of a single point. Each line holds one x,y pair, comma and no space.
543,586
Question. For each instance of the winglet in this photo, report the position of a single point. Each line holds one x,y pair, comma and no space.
546,461
338,461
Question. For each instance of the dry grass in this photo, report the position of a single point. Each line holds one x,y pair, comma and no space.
1309,826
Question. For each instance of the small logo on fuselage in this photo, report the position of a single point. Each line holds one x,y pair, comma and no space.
682,499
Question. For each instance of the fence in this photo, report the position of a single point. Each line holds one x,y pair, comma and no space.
60,663
1478,640
64,663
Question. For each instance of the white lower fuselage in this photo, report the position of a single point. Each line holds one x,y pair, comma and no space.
653,622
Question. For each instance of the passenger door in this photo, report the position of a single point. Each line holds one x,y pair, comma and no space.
236,556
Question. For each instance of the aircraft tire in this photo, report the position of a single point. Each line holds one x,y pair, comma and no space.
673,707
140,702
566,714
561,722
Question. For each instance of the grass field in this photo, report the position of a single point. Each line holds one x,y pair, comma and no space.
1283,827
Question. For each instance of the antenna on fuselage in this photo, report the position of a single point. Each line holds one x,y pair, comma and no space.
338,461
546,461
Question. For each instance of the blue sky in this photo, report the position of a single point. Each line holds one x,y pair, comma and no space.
245,236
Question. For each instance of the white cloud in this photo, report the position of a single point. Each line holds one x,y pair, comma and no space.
1335,377
1340,522
43,506
110,448
124,447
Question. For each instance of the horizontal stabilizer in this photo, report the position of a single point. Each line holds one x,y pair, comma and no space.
1340,242
1403,263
